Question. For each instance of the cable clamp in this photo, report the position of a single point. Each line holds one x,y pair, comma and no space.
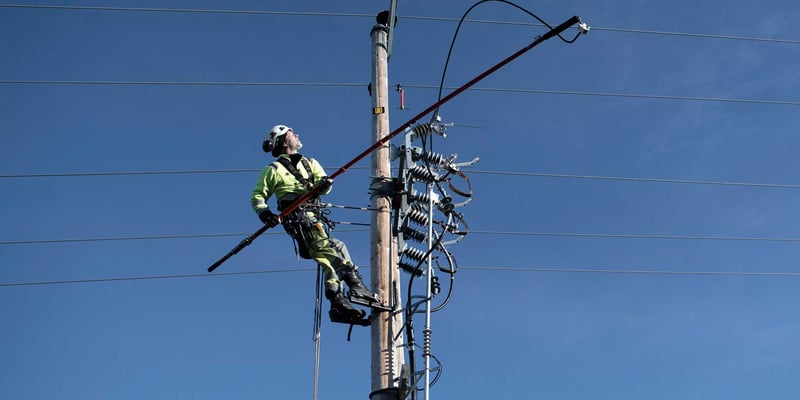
381,186
583,27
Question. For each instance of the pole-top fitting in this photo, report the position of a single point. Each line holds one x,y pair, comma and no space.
382,18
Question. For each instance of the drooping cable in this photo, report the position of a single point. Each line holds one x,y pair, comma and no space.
435,114
618,271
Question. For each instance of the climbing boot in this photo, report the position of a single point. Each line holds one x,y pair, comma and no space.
341,310
359,293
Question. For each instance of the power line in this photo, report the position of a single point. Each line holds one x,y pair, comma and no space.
126,238
493,269
622,95
622,30
414,86
123,173
699,35
179,83
187,10
634,271
161,237
472,171
408,17
636,179
631,236
152,277
474,232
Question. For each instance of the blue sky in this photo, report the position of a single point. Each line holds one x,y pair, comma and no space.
710,313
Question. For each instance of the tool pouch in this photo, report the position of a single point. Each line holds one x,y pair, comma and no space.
298,226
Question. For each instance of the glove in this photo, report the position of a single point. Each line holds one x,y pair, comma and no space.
269,218
325,185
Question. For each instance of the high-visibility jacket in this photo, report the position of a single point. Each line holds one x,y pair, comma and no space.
276,179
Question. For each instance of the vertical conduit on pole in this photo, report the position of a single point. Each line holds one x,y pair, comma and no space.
426,332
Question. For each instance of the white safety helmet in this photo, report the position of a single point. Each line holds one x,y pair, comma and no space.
273,143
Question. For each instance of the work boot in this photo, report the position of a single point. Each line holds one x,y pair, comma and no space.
341,310
358,292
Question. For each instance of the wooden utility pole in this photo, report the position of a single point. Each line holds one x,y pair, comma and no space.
387,354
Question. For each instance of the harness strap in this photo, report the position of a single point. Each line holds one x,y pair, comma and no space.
287,163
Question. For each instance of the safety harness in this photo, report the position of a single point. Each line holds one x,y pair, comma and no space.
289,165
297,223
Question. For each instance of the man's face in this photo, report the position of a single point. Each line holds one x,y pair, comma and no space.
292,141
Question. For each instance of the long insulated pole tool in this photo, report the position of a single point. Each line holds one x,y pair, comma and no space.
311,193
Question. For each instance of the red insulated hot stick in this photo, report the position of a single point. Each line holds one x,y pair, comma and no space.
311,193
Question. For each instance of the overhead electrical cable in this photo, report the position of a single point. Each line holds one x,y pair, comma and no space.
622,95
160,237
633,236
633,271
187,10
179,83
637,179
123,173
472,171
414,86
490,269
699,35
152,277
360,15
474,232
622,30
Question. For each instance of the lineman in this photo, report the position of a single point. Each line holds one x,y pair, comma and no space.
289,177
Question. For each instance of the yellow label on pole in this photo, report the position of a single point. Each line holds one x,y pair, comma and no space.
378,110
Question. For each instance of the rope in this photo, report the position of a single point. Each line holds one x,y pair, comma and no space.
317,328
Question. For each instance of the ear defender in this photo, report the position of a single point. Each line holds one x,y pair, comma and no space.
277,146
267,146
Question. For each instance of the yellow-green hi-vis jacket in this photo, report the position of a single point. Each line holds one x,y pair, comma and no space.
276,179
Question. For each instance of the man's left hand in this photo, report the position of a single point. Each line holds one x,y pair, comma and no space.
325,185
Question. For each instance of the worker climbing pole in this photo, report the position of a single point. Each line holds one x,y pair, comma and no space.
289,177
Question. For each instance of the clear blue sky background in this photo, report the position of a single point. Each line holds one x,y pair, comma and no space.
506,334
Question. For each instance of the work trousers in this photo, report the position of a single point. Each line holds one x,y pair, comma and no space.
313,240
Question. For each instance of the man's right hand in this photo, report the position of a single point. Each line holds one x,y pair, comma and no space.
269,218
